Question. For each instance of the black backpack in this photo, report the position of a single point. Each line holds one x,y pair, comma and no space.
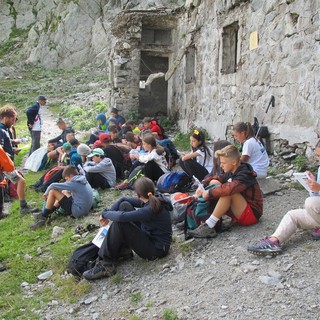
83,259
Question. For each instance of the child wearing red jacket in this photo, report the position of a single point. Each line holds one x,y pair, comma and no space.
237,193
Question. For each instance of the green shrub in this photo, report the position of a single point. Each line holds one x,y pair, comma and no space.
300,163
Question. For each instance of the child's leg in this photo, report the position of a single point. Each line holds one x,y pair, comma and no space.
308,218
53,196
237,203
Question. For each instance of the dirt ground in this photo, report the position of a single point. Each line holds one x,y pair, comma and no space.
209,279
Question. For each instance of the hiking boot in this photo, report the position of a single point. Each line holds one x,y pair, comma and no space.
125,255
122,186
41,221
203,231
265,247
316,234
102,269
27,209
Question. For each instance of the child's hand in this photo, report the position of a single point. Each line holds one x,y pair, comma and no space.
205,195
310,175
313,185
102,221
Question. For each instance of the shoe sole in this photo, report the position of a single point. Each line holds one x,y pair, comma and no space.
100,276
202,237
263,253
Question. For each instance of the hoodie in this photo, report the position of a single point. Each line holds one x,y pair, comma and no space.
243,181
157,226
104,168
104,123
81,192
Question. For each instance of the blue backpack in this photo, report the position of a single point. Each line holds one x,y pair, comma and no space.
172,182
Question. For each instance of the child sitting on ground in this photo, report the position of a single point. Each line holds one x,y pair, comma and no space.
100,171
199,162
141,224
237,193
253,151
307,218
74,195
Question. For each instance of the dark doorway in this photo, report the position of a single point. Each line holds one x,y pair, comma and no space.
153,98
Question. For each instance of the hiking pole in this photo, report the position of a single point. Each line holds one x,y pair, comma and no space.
271,103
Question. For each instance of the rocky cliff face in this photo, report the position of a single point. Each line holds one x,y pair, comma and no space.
67,33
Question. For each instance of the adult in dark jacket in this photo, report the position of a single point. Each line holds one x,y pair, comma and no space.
8,116
146,230
34,122
237,193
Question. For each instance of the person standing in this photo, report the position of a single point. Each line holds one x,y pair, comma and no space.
8,116
34,122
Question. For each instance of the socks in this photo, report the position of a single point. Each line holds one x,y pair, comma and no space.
211,221
46,212
23,203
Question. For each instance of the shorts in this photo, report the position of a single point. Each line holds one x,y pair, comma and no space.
66,204
247,217
13,176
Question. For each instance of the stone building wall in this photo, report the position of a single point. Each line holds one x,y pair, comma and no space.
284,63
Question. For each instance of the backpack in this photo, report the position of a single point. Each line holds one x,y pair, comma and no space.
83,259
172,182
135,174
51,172
180,202
198,211
96,198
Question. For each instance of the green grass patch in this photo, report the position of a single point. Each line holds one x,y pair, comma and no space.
169,314
29,253
136,297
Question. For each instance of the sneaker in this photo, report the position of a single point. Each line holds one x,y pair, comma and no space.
265,247
102,269
180,225
316,234
203,231
41,221
27,209
122,186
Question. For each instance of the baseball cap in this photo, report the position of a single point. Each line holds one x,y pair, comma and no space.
41,97
83,149
104,137
67,146
96,152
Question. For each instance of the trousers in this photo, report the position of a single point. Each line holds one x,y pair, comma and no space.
307,219
124,236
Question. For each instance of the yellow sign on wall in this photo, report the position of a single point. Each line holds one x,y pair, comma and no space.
254,40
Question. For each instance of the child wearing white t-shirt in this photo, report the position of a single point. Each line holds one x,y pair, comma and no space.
253,151
199,162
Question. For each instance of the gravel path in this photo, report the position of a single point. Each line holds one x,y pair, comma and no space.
213,279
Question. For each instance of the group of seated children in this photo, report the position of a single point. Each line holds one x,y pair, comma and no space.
143,223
